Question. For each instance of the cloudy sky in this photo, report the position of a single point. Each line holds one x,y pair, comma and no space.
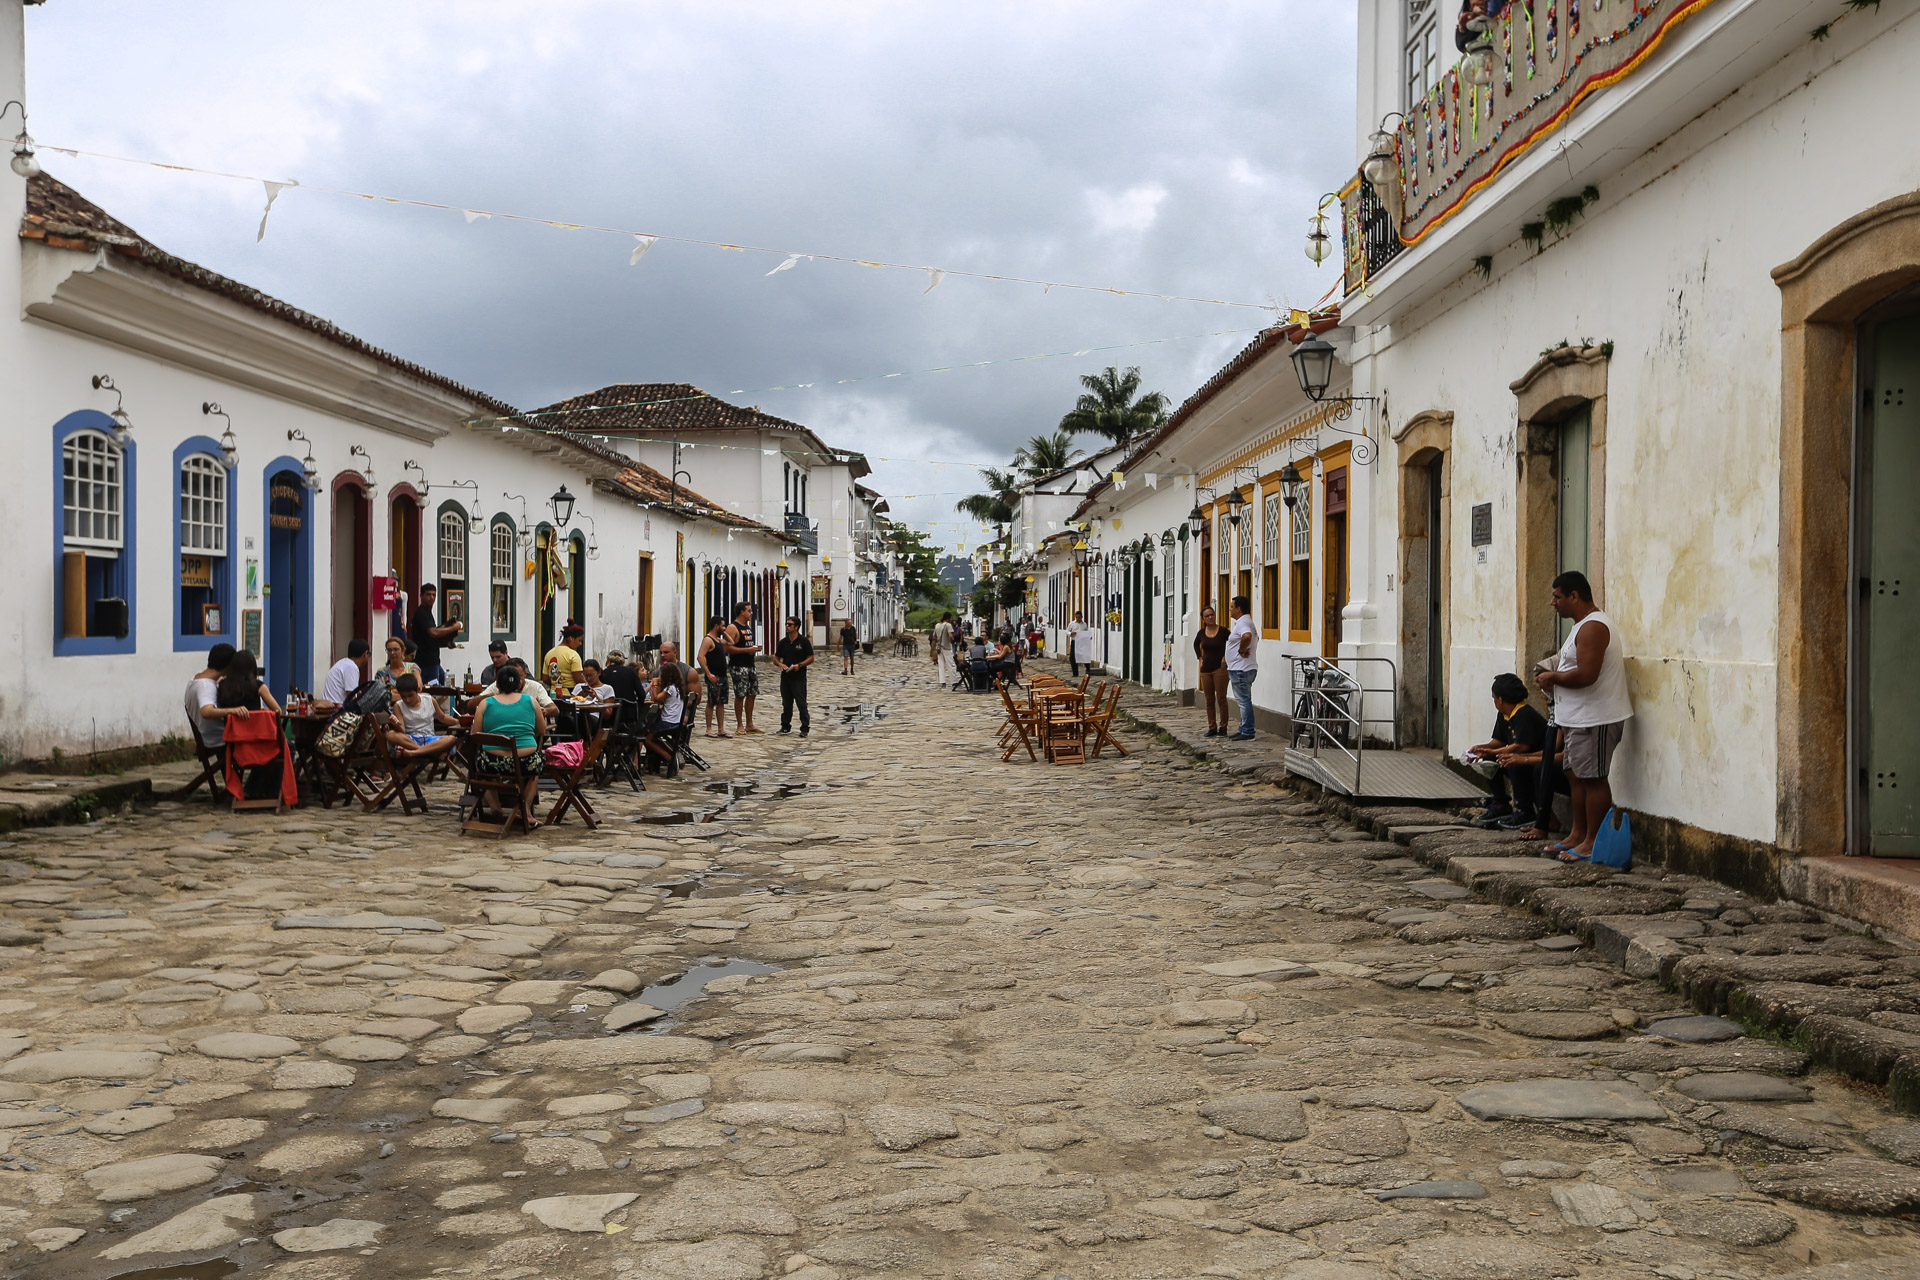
1176,148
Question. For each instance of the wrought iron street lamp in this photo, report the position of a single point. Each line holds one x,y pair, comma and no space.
1290,482
1236,507
562,504
122,424
1196,520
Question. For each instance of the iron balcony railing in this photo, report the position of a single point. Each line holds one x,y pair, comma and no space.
1369,234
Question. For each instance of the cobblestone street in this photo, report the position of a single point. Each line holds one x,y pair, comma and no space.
875,1003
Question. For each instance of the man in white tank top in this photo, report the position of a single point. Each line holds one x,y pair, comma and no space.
1590,705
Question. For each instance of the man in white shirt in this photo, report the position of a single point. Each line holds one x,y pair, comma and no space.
1074,629
344,676
1591,706
208,719
1242,666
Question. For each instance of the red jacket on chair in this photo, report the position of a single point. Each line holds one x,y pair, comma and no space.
255,739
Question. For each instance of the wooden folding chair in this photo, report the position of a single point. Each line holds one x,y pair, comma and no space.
507,792
403,779
1100,723
213,766
1063,732
567,783
1019,727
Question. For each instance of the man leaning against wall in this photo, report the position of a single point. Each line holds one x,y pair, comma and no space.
1591,706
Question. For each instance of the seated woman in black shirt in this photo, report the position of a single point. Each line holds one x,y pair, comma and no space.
241,688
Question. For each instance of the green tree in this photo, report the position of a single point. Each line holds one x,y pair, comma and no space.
919,567
996,505
1109,408
1044,455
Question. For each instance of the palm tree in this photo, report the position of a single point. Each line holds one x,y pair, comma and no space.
996,505
1044,455
1108,407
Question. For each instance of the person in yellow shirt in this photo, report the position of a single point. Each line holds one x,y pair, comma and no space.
560,669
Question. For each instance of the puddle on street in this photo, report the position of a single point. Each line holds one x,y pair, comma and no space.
692,984
212,1269
677,818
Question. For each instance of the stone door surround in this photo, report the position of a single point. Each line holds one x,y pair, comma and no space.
1823,293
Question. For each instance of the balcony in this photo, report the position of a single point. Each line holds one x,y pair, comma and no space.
801,534
1578,90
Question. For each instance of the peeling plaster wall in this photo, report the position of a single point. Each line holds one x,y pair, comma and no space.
1672,267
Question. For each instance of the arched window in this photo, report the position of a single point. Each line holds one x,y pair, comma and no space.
94,579
91,464
452,544
203,533
503,559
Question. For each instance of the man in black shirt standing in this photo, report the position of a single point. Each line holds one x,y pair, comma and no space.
794,654
427,636
1519,736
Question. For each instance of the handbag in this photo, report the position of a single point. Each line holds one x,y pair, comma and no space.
1613,845
339,735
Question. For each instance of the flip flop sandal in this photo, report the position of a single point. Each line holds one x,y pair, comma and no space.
1569,856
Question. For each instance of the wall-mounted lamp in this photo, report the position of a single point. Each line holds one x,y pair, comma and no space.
1381,168
526,523
416,468
23,161
593,537
312,471
366,470
1290,482
122,424
1313,366
229,446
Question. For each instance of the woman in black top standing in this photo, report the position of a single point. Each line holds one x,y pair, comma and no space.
1210,644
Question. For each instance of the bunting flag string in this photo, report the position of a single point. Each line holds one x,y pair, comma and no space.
647,239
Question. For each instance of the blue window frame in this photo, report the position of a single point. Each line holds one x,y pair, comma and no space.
94,536
203,533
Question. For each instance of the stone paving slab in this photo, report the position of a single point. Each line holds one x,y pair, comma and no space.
1141,1018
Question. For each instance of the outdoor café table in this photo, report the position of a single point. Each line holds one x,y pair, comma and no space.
304,730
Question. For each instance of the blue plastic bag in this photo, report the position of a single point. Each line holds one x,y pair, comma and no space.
1613,846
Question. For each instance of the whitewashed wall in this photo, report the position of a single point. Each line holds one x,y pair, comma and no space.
1671,266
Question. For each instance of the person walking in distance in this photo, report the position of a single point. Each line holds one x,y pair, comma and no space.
1074,629
942,646
794,654
712,658
1591,706
1210,646
746,680
1242,666
849,639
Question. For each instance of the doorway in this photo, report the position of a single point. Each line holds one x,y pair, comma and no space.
352,566
1573,465
1334,571
1883,684
287,588
577,598
403,533
643,596
1425,513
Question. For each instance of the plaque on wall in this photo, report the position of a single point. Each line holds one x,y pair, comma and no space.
250,631
1482,524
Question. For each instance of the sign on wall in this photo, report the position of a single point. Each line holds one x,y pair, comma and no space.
250,630
1482,524
383,593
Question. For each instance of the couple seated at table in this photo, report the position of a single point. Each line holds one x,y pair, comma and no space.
987,660
231,687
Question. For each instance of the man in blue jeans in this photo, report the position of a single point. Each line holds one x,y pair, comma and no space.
1242,667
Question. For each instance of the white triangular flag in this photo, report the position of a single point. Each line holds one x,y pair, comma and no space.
1153,479
273,193
788,264
1085,479
472,216
934,276
1119,479
640,250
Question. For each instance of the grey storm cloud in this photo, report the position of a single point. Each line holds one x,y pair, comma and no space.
1171,148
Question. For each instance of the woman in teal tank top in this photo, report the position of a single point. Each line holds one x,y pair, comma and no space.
511,713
